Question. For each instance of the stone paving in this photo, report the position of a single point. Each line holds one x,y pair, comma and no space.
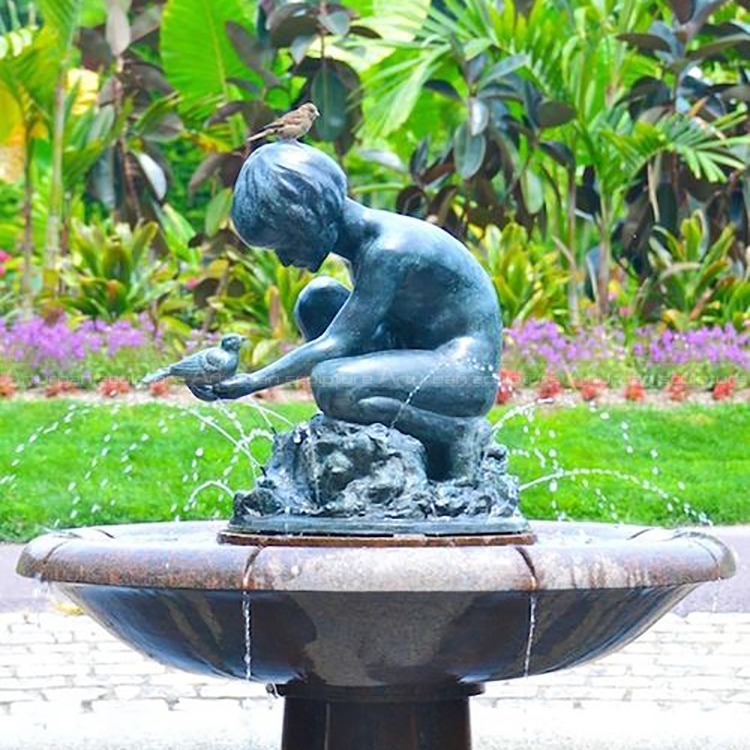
68,662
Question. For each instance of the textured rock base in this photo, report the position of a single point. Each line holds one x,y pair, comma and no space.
377,479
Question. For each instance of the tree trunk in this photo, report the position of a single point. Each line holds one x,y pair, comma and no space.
573,311
54,219
27,281
605,255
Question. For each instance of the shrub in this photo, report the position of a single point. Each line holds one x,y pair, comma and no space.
723,389
634,390
7,386
114,387
59,388
677,390
509,380
549,387
591,390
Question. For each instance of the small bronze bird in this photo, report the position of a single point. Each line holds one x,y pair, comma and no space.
206,367
291,126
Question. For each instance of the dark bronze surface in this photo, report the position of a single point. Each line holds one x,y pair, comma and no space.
330,477
415,344
227,536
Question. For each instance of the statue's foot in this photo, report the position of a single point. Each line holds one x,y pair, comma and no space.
464,454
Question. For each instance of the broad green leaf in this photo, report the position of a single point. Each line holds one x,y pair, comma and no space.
553,113
468,151
63,17
479,116
197,55
337,22
329,95
533,192
506,66
217,211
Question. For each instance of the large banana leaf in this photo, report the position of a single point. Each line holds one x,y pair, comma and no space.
62,16
197,55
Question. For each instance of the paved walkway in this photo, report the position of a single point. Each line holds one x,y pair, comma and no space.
683,685
63,673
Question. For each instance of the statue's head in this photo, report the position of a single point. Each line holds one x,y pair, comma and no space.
290,197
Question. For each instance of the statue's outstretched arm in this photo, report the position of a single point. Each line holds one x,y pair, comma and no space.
355,323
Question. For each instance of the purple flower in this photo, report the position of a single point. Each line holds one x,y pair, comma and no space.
57,346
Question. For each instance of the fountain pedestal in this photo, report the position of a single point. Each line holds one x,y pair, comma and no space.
372,720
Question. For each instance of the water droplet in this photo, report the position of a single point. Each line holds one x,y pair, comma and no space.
553,486
604,415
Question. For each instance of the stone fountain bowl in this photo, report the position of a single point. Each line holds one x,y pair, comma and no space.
324,616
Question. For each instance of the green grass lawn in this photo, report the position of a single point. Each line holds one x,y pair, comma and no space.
67,463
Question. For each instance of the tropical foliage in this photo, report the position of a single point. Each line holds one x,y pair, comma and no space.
592,155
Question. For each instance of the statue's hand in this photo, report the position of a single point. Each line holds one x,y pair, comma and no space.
203,392
236,387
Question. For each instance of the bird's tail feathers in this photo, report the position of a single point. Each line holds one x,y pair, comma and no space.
258,136
156,376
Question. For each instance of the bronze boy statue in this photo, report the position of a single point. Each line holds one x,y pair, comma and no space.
414,345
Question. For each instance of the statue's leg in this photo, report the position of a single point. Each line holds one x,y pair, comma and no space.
436,396
318,304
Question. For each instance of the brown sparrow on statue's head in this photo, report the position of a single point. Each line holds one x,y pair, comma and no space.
291,126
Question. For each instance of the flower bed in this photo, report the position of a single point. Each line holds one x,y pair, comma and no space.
538,354
38,352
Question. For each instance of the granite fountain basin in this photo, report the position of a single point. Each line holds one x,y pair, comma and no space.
355,632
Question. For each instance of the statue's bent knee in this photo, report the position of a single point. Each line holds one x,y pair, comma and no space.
318,304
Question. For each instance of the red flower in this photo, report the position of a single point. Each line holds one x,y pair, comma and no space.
159,389
723,389
192,282
113,387
677,390
634,390
509,379
4,256
591,389
550,387
7,386
59,388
